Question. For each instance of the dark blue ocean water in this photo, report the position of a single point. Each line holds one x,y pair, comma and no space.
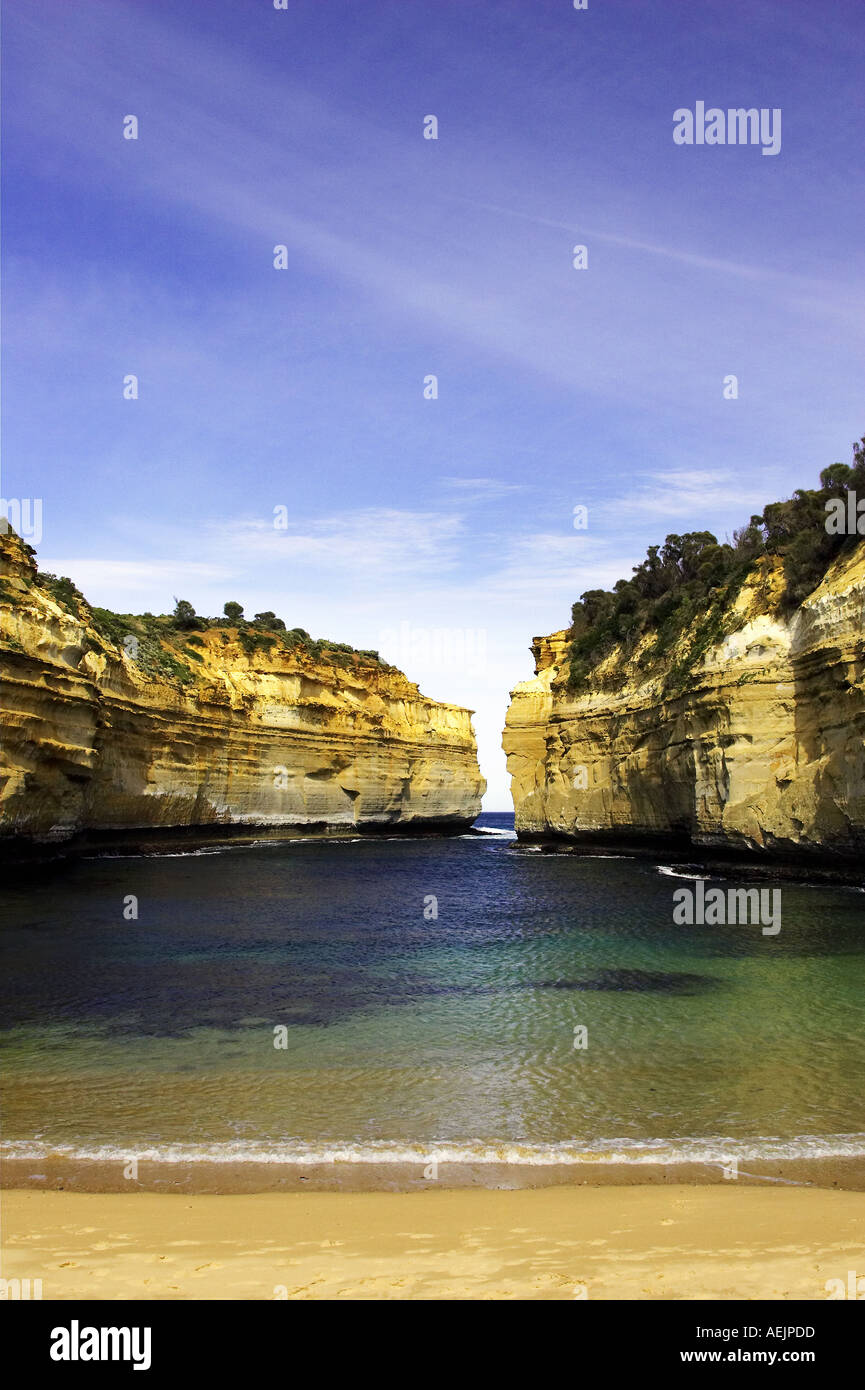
428,992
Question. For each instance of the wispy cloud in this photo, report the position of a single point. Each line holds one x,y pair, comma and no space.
694,493
107,578
482,489
767,274
378,541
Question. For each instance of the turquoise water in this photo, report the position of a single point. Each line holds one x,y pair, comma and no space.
407,1032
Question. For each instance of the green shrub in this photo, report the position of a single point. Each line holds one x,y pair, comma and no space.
694,577
252,641
269,620
160,664
63,591
115,626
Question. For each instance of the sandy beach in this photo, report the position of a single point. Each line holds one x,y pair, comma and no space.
637,1242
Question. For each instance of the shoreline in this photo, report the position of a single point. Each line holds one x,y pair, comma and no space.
807,864
163,840
234,1177
822,868
641,1243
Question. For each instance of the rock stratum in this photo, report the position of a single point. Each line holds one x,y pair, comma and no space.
763,751
211,734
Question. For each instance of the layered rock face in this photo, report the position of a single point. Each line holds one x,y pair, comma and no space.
764,749
92,741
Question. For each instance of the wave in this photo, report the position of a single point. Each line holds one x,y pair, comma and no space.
713,878
235,848
677,873
713,1150
160,854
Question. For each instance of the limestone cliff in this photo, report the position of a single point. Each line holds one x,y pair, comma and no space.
197,730
764,748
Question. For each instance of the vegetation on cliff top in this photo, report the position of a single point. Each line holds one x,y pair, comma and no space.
180,629
693,577
164,644
264,631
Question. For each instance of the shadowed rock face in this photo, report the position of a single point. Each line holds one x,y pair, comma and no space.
91,741
765,749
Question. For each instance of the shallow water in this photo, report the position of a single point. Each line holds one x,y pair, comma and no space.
406,1032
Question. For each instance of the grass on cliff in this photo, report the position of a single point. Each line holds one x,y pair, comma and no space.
685,588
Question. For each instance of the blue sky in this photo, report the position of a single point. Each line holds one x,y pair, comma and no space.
427,528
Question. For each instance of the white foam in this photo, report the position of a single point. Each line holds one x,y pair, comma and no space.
676,873
713,1149
160,854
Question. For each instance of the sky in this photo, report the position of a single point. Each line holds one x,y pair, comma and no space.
440,531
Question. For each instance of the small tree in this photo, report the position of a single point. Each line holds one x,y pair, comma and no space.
233,612
184,614
837,475
268,619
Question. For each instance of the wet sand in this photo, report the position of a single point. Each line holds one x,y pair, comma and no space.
246,1176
